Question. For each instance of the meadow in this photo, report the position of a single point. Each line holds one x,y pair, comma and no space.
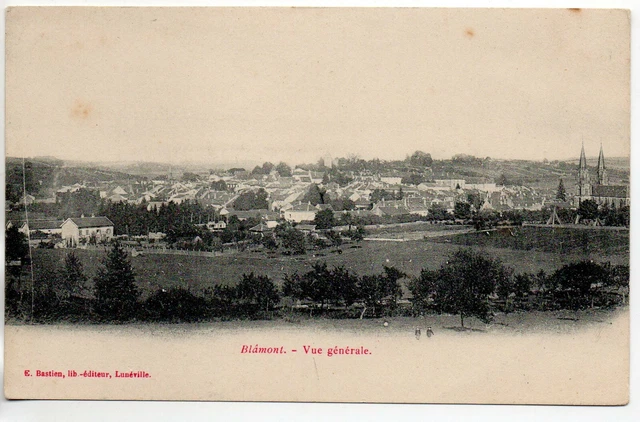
561,240
530,249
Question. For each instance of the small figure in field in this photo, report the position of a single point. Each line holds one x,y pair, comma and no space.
429,332
418,333
385,323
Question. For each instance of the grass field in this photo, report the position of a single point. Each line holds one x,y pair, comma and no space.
195,273
559,240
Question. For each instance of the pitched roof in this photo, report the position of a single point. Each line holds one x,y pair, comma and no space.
304,207
323,207
84,222
609,191
259,228
308,227
44,224
401,210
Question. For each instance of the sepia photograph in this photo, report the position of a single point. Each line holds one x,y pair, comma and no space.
380,205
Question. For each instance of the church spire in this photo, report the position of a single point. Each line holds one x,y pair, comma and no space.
583,159
602,170
584,186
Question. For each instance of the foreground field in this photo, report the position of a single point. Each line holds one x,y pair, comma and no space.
195,273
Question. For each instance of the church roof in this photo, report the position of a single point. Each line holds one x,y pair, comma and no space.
611,191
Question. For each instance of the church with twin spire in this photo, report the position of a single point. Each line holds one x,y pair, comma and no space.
598,189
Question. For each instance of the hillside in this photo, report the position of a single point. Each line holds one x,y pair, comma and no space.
45,175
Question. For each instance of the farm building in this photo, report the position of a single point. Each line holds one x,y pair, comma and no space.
85,228
301,212
44,226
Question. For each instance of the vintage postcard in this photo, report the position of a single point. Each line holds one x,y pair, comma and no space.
394,205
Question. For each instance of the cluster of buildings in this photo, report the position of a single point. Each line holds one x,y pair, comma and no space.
598,188
71,231
286,197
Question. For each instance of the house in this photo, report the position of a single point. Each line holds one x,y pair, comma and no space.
391,179
362,204
84,228
300,212
381,209
256,214
306,228
260,228
451,184
117,198
50,227
27,199
216,225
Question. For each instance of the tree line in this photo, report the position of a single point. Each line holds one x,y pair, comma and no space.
468,284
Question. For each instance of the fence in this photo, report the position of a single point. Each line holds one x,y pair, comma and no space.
143,250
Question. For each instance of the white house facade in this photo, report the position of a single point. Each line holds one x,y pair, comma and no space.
85,228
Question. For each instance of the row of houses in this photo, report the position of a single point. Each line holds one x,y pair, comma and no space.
72,230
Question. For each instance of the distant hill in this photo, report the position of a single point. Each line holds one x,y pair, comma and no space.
619,163
522,172
45,175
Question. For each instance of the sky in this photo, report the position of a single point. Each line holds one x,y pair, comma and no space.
294,84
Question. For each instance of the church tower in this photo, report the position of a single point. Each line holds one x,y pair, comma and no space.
584,184
603,179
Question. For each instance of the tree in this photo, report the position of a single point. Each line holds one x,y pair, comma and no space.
314,195
251,200
421,159
219,185
324,219
465,282
115,287
258,290
334,237
580,281
439,213
505,286
522,285
462,210
72,278
189,177
561,195
16,256
502,180
357,234
423,289
588,209
11,194
283,169
344,285
175,304
475,199
16,246
291,239
316,284
379,194
379,290
267,167
412,179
